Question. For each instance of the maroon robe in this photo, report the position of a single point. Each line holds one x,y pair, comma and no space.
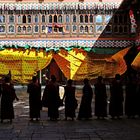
7,97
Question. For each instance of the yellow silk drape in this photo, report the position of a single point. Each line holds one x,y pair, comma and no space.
76,64
23,64
63,64
118,58
74,58
136,62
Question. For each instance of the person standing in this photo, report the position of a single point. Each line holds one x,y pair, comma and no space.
138,95
52,98
85,110
8,95
116,98
70,100
100,98
34,90
131,97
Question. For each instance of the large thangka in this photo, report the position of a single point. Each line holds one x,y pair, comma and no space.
75,63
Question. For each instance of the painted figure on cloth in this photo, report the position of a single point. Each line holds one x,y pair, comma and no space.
116,98
52,98
34,90
100,98
8,95
85,110
70,100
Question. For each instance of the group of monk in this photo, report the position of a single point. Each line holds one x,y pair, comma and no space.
122,100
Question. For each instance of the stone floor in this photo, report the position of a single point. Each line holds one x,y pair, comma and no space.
23,129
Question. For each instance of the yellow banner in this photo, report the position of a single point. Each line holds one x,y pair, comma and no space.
23,63
76,64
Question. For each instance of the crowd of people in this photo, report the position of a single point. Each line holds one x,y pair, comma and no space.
120,102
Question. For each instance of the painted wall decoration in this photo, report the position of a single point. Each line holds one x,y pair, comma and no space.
56,45
133,21
60,6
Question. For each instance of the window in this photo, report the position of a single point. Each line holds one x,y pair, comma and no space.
36,29
125,29
108,29
29,19
86,18
67,19
74,18
49,29
81,19
99,28
91,19
60,19
11,29
19,29
120,29
91,29
55,29
86,29
120,19
50,19
29,29
116,29
60,29
125,19
24,28
11,19
36,19
43,18
43,28
115,19
99,19
19,18
24,19
107,18
55,18
2,28
2,19
81,29
74,28
67,28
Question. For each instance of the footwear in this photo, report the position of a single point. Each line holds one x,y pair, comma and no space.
31,119
79,118
37,119
118,117
98,118
66,119
112,117
51,119
72,119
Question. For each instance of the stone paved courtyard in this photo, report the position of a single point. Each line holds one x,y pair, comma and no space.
23,129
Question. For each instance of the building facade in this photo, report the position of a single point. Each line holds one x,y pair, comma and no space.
52,25
63,19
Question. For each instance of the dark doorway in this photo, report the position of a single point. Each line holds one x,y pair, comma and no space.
53,69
